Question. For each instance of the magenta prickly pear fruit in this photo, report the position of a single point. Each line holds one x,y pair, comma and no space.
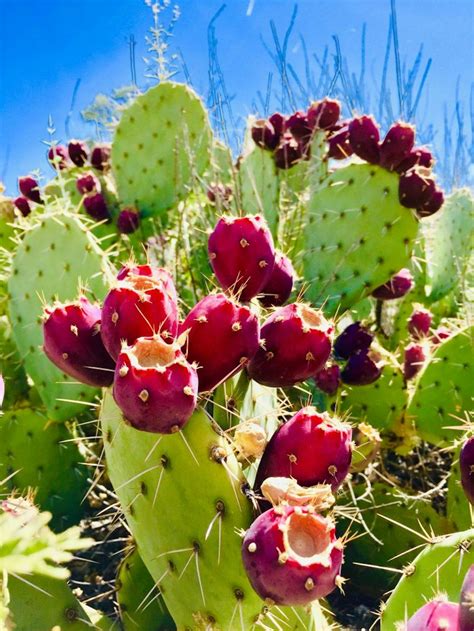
23,206
88,183
415,188
291,555
396,145
29,188
324,114
328,379
312,447
432,204
354,338
288,152
437,615
295,345
299,126
420,156
156,273
78,152
242,255
138,306
100,157
217,322
154,385
419,323
58,157
96,207
73,343
466,605
414,358
397,287
339,145
278,288
278,122
265,135
128,221
440,334
466,464
364,137
362,368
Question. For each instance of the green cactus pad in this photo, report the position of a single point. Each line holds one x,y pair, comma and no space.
185,508
444,390
458,509
358,236
161,146
441,567
42,456
140,605
55,256
448,243
16,386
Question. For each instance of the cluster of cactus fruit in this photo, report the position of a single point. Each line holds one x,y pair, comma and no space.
253,342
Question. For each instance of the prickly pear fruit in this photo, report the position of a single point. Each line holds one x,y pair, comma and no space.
299,126
419,323
328,379
292,556
415,188
242,255
339,145
437,615
138,306
414,359
72,342
312,447
29,188
154,385
264,134
324,114
88,183
295,345
397,287
96,206
432,204
58,157
288,152
420,156
364,138
157,273
440,334
466,605
362,368
217,322
278,288
396,145
78,152
128,221
354,338
100,157
23,206
466,464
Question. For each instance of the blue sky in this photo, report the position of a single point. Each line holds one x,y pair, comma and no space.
47,45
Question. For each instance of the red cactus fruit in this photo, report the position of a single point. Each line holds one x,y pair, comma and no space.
396,145
278,122
221,337
312,447
420,156
291,555
328,379
138,306
157,273
289,152
128,221
414,359
397,287
364,137
154,385
23,206
264,134
466,605
295,345
354,338
419,323
299,126
29,188
58,157
324,114
88,183
242,255
100,156
78,152
432,204
415,188
466,464
96,207
440,334
339,144
72,342
436,615
362,368
278,288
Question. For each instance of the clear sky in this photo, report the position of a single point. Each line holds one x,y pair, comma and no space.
47,45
